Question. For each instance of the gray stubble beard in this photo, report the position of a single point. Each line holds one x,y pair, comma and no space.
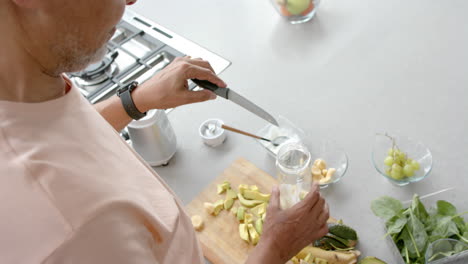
73,57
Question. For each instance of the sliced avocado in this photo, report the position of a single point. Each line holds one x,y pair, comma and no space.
248,218
309,257
259,226
242,188
248,203
259,209
254,188
243,232
233,211
240,213
254,237
218,206
223,187
256,195
371,260
228,204
231,194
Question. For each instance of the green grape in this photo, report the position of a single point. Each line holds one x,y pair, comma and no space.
415,165
388,171
390,152
408,170
396,159
402,156
388,161
409,161
397,175
396,167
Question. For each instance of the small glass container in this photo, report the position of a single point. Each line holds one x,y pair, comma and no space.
294,175
296,11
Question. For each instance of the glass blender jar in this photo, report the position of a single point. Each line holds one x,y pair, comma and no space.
293,171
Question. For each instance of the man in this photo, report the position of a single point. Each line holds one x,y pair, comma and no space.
71,191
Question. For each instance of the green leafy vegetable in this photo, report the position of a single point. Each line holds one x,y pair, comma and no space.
414,228
396,224
386,207
446,208
419,210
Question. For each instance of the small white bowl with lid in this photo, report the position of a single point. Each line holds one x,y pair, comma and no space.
212,133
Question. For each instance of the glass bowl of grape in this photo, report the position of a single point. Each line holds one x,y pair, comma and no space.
400,159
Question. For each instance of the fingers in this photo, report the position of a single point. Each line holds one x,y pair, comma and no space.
199,69
323,230
324,215
313,196
202,63
274,204
198,96
318,208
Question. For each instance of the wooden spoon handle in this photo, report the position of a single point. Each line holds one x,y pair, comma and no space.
241,132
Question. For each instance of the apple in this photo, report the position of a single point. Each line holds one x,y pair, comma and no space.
296,7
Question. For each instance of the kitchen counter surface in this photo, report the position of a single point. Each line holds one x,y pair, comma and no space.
359,67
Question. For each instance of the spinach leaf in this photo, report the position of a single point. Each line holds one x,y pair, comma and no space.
458,220
386,207
396,224
411,249
419,210
445,228
446,208
418,233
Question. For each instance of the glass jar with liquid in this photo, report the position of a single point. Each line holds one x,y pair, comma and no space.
293,171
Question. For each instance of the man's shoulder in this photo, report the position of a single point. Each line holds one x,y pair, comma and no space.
29,222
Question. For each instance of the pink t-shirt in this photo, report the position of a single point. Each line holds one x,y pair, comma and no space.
72,191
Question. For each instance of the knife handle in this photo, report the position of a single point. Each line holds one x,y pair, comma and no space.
223,92
206,85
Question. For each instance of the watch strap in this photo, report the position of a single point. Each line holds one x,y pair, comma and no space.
125,95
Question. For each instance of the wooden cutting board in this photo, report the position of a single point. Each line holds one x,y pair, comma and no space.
220,239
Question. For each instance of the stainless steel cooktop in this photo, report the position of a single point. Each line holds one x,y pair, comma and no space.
139,49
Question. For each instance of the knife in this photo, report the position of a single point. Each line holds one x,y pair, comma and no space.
236,98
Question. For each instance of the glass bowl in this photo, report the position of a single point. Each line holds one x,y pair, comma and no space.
413,149
285,128
296,11
333,155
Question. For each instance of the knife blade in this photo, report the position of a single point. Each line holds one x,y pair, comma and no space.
236,98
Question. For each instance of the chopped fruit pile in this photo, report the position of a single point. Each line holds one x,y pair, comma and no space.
250,213
337,247
320,173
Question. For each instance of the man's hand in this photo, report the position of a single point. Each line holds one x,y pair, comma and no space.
286,232
169,87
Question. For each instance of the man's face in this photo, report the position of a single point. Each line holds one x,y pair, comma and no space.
73,33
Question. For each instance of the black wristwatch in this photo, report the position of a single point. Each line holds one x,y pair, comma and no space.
125,94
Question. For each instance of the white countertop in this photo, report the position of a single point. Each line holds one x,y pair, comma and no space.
359,67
